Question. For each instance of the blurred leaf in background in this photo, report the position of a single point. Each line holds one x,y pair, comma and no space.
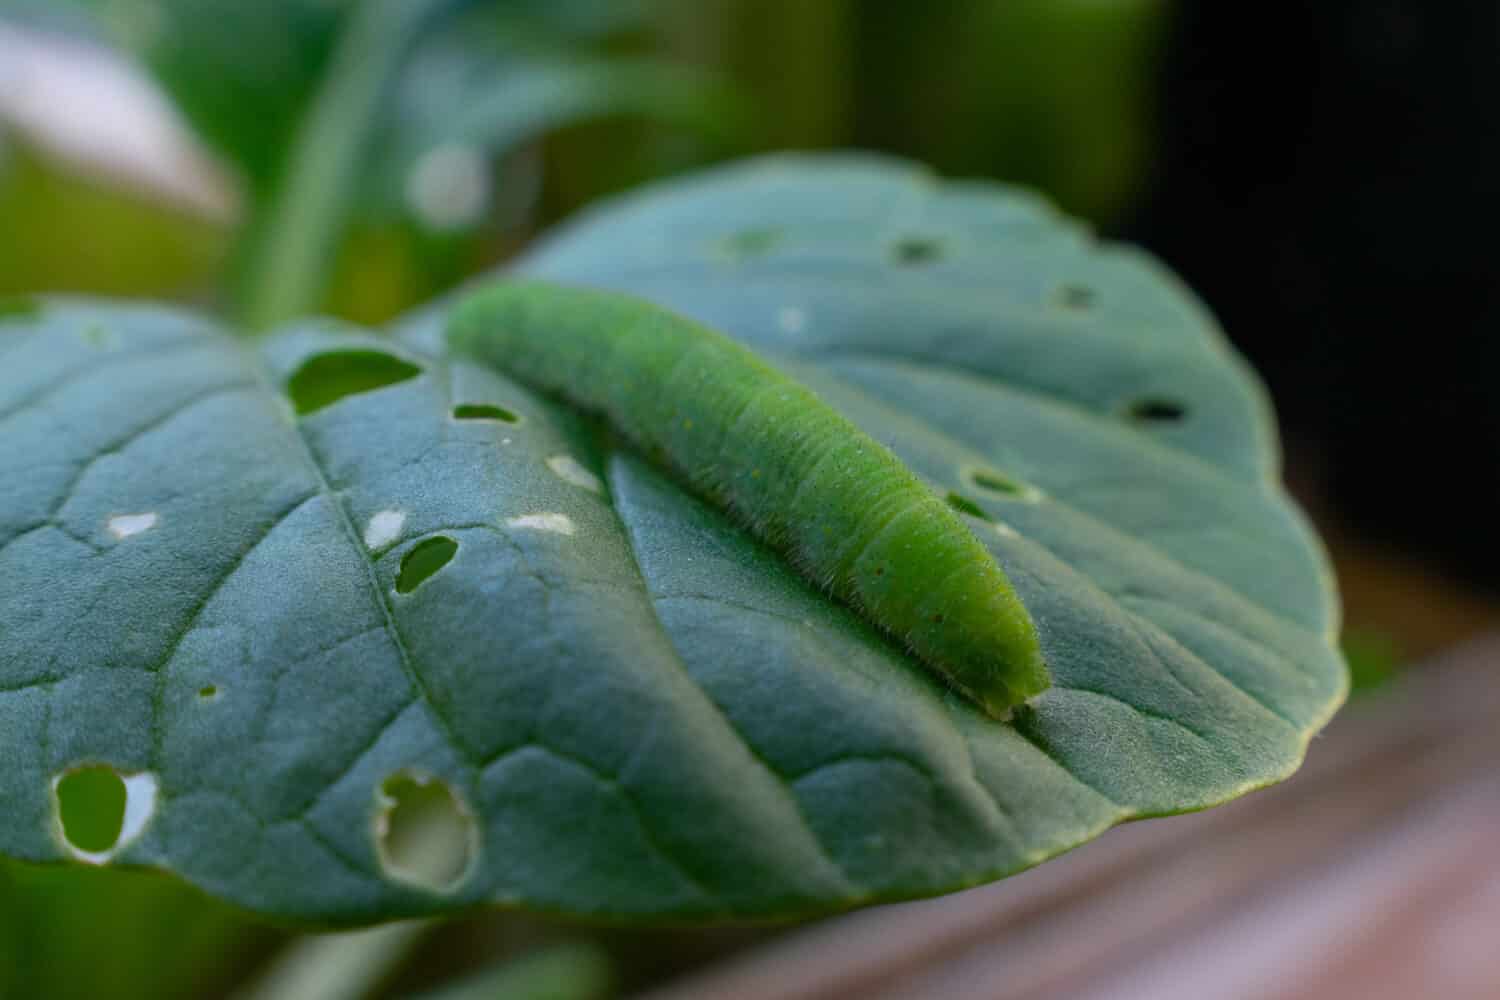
1056,94
793,58
241,72
101,187
91,932
66,230
458,179
562,972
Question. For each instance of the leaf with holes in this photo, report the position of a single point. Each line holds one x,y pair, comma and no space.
341,628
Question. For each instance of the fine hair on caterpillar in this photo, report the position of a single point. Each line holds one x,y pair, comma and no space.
844,511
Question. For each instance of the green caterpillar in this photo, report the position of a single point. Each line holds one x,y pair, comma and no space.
846,512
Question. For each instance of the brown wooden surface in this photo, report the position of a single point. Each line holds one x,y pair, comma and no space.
1375,872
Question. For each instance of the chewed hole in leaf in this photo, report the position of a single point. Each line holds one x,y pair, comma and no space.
964,505
425,558
998,484
484,411
19,307
748,243
915,250
1072,296
324,379
425,835
91,808
99,810
1154,410
209,692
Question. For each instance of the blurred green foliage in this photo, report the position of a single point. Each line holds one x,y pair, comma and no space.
561,972
1374,658
506,114
1055,94
95,932
67,232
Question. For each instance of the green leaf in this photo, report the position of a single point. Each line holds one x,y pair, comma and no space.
619,705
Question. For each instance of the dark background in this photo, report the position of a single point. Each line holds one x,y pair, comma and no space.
1328,179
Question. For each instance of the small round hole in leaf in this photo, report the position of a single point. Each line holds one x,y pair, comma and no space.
1157,411
916,250
1073,296
749,243
91,808
964,505
424,833
998,484
423,560
484,411
324,379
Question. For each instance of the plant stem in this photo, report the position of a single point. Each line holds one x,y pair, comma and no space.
296,238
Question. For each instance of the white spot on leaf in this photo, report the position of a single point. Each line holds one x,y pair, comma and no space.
1006,531
384,528
125,525
567,468
560,524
